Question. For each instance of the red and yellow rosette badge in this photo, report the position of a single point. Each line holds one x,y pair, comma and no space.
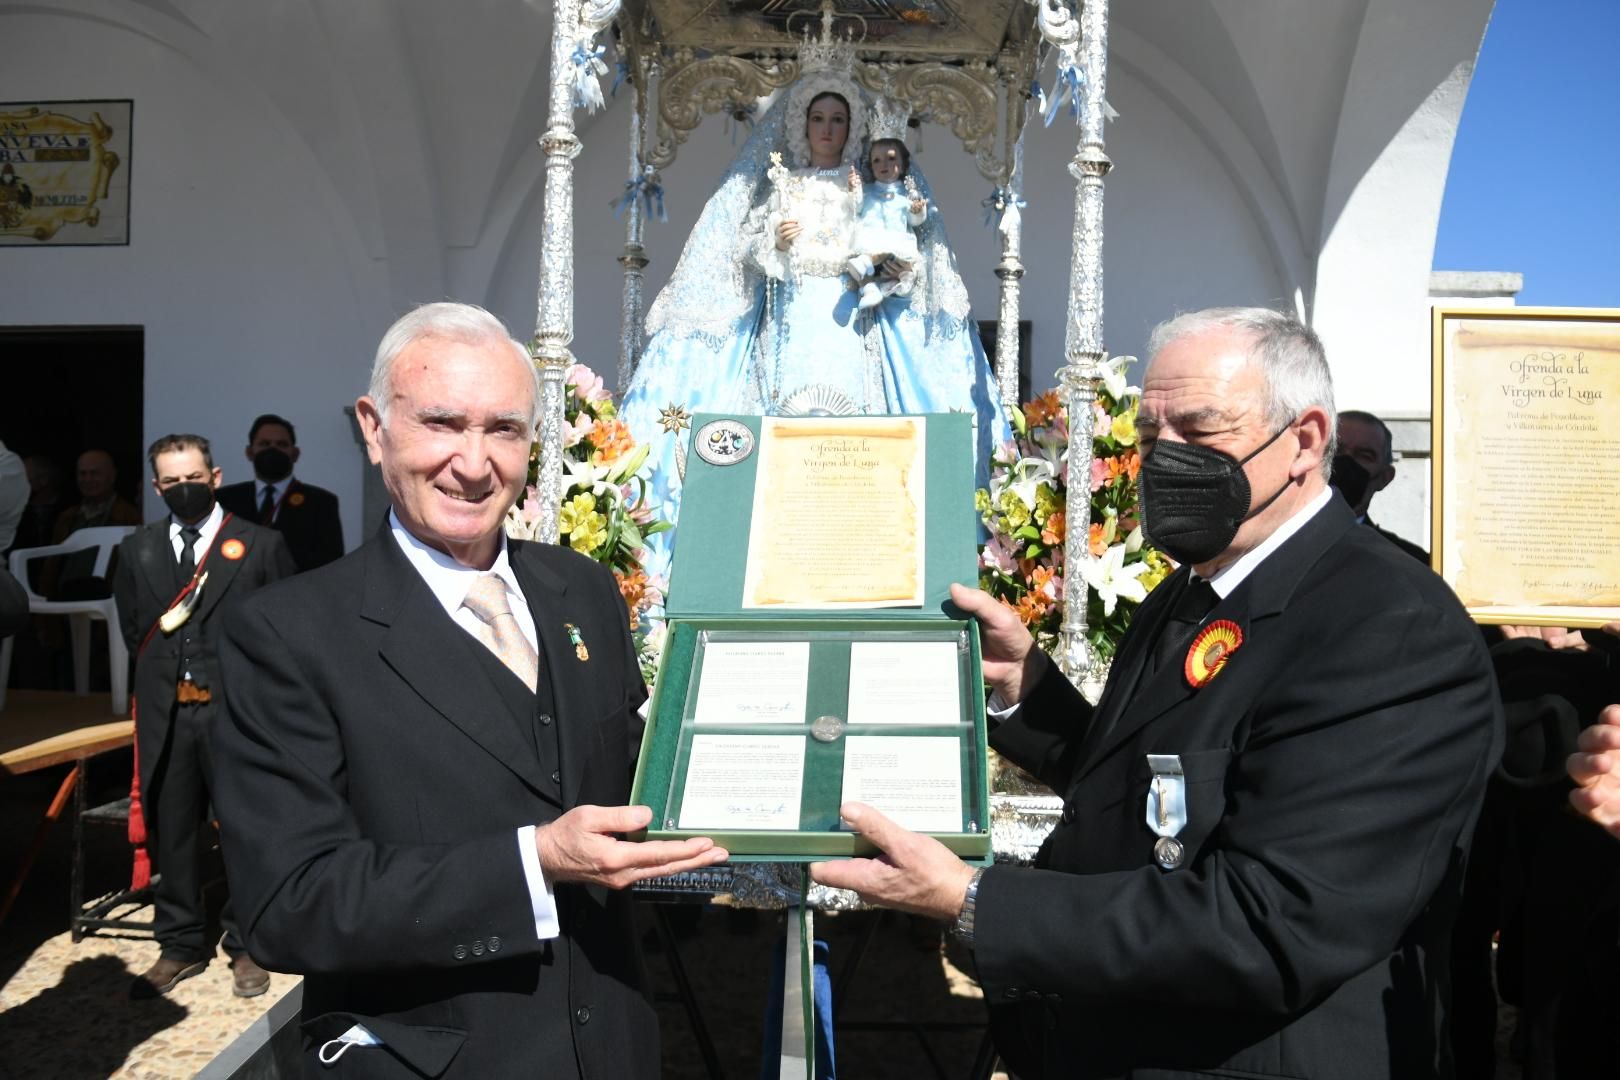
296,498
232,550
1210,651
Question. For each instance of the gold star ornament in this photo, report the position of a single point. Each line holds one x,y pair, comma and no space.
674,419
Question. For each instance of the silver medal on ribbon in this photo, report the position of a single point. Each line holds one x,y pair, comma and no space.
1167,809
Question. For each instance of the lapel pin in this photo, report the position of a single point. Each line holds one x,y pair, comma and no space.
296,499
578,642
1210,651
232,550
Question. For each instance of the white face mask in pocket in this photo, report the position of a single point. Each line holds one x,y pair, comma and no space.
333,1049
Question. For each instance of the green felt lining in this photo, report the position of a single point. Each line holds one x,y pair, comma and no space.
660,773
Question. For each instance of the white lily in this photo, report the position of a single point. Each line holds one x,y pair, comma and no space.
1112,580
1113,377
584,476
1029,474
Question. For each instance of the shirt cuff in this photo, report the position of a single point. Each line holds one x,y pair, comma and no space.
541,897
997,708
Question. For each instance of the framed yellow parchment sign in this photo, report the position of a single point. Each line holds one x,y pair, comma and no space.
64,173
1527,462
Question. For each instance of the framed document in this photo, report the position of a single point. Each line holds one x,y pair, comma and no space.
1526,524
812,656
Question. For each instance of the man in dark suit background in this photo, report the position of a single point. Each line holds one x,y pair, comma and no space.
1260,849
305,515
427,769
180,690
1364,466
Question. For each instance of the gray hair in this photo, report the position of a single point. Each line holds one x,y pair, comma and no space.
1289,354
467,324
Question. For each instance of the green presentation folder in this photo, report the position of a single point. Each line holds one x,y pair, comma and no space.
705,607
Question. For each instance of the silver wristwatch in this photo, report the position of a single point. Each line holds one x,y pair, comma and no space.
970,905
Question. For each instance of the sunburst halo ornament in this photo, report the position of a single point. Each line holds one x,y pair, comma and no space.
1210,651
674,419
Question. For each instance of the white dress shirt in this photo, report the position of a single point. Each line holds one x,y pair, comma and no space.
207,527
278,493
449,582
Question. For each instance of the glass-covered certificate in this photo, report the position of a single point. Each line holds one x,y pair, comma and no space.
838,515
1527,463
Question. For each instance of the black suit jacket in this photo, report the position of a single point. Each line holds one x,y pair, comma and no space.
1334,770
1399,541
308,520
372,782
147,580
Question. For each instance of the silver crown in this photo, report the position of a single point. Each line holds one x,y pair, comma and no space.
831,51
890,119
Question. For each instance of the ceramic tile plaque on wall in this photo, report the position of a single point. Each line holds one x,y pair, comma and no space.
64,172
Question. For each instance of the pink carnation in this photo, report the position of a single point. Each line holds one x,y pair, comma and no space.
1099,473
587,384
995,556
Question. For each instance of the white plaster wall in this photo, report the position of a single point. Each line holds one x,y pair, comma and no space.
1179,232
251,286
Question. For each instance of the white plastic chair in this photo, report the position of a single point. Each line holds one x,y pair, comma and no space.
104,538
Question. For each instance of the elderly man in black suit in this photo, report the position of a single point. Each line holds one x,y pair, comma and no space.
427,775
201,561
305,515
1266,814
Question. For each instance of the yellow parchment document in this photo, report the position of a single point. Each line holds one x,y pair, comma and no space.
1528,461
838,514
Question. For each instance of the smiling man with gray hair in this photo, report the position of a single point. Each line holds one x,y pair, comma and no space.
1266,815
423,779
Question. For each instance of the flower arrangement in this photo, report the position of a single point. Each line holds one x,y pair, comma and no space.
1021,563
604,511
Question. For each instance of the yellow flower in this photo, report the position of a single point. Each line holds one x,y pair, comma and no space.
1158,569
1125,427
584,527
1047,503
981,501
588,534
1013,508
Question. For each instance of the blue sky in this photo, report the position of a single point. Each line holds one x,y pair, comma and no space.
1535,178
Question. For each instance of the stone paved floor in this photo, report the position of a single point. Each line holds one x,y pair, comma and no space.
66,1014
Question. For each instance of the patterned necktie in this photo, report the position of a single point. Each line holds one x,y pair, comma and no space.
189,535
499,630
267,505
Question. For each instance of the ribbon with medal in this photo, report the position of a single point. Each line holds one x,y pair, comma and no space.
1167,809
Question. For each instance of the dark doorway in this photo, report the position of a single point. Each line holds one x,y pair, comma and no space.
72,389
987,338
67,390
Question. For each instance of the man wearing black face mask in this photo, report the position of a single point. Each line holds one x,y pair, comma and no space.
176,581
305,515
1266,814
1364,466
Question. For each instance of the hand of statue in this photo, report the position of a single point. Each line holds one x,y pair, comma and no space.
582,845
854,178
893,268
1012,663
918,206
786,233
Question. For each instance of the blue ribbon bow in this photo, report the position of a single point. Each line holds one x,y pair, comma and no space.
649,190
588,65
1069,86
996,203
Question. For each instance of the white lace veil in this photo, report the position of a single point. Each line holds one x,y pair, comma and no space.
715,286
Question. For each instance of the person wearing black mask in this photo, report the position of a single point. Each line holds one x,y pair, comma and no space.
1364,466
305,515
176,582
1267,813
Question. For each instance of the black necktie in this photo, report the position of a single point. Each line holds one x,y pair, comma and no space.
267,505
1198,598
189,535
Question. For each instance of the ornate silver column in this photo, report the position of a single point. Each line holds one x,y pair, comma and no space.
574,24
634,260
1084,345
